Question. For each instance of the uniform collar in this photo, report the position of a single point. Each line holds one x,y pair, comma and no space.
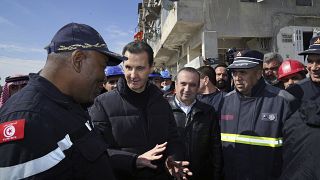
256,89
50,90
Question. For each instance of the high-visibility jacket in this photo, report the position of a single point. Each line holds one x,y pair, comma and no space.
251,132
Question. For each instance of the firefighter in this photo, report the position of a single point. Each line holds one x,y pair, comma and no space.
167,84
251,122
291,72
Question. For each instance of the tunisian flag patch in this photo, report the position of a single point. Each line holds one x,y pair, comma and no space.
12,130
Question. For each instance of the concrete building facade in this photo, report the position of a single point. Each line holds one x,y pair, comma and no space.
184,32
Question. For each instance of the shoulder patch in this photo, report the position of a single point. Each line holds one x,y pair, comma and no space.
12,130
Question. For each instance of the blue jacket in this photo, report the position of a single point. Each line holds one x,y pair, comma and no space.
251,132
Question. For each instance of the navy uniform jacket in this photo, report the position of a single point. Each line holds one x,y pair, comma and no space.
251,132
55,142
302,133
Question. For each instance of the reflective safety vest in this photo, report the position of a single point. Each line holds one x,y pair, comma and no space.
251,132
251,140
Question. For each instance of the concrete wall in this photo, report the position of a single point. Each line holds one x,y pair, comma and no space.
232,18
234,22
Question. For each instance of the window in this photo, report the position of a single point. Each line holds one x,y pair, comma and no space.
304,2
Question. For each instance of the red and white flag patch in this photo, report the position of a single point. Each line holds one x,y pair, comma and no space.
12,130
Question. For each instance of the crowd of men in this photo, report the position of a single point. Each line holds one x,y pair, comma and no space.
84,116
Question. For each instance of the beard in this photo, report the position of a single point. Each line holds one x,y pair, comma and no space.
222,84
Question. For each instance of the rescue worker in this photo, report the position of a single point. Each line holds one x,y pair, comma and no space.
302,129
156,79
13,85
137,123
45,131
271,64
167,84
208,93
291,72
112,73
251,121
198,126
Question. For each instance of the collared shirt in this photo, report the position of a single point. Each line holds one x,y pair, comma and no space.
185,108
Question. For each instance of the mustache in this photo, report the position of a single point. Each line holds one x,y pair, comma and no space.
221,84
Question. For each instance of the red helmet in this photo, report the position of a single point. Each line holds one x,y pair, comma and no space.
288,67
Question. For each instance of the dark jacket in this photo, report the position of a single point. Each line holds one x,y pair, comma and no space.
200,132
251,132
301,157
214,99
57,142
133,123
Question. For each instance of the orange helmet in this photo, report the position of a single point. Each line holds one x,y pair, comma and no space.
288,67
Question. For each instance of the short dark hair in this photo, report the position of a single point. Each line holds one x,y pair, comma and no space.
188,69
221,65
207,71
137,47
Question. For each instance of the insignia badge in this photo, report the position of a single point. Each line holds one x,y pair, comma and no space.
12,130
239,54
269,117
317,41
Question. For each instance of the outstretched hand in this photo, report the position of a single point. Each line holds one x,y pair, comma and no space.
178,169
144,160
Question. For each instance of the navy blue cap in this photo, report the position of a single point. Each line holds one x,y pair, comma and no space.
247,59
314,47
80,36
